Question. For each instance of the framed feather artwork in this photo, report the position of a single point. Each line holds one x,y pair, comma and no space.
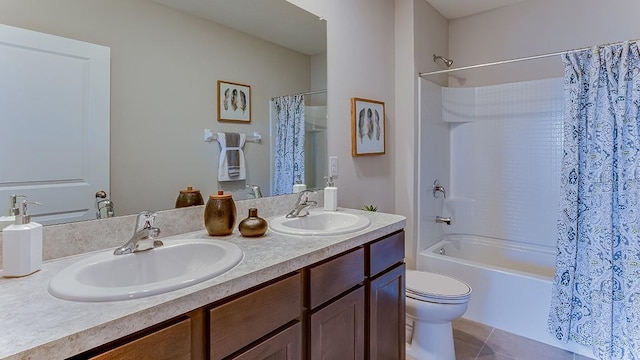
234,102
367,127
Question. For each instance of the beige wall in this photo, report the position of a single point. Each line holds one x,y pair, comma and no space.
420,32
537,27
360,63
164,70
431,144
375,49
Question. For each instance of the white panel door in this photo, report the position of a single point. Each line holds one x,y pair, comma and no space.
54,118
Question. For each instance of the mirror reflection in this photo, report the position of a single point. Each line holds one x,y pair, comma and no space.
166,58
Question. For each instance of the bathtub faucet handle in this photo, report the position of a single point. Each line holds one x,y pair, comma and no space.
443,220
437,188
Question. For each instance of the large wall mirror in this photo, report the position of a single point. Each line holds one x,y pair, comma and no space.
166,59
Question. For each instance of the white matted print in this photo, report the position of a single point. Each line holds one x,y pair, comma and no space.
234,102
367,127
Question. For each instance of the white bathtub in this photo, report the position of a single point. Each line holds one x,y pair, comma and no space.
511,283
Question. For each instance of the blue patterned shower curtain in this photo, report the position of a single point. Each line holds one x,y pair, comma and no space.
289,143
596,294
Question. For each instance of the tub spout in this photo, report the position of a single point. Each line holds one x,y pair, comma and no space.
443,220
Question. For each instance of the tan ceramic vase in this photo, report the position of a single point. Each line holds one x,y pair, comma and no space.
220,214
253,226
189,197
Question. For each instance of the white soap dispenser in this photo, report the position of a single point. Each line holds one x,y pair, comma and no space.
299,186
22,245
330,195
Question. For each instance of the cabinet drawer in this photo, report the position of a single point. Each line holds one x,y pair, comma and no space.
385,253
242,321
334,277
170,343
285,345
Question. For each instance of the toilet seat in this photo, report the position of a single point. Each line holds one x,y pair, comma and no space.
431,287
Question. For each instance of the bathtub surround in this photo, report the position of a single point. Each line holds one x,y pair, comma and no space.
514,130
596,286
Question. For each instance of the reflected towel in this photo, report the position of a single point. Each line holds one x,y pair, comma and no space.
231,165
233,155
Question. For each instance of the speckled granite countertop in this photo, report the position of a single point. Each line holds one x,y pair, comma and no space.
36,325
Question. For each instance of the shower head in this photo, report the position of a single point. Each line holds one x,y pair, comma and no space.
446,61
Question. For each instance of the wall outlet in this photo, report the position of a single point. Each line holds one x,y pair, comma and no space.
333,166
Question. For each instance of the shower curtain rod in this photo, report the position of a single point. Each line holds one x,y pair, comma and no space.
305,93
514,60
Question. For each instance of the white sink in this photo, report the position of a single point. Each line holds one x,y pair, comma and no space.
320,222
177,264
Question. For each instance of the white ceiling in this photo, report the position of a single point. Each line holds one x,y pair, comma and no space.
453,9
276,21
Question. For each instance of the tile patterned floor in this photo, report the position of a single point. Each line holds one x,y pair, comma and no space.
475,341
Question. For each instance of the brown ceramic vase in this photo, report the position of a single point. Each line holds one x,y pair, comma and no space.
189,197
220,214
253,226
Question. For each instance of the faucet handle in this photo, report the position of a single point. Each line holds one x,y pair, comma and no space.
303,196
145,220
438,188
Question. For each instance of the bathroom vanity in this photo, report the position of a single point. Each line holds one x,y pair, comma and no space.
292,297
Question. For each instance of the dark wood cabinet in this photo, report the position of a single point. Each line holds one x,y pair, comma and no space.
337,330
350,306
239,322
285,345
336,303
170,343
387,315
386,298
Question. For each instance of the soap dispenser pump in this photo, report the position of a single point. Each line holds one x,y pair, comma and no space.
13,211
22,245
330,195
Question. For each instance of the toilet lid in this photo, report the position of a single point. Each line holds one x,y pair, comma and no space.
439,288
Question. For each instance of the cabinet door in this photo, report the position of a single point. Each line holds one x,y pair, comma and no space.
240,322
387,315
286,345
170,343
337,330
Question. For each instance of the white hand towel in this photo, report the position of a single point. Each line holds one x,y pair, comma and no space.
227,171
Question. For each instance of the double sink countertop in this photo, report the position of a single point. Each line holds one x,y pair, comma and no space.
36,325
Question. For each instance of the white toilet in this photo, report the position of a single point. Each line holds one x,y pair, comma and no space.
433,302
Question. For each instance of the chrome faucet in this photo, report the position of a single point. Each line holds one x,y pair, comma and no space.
144,235
104,206
443,220
255,192
302,205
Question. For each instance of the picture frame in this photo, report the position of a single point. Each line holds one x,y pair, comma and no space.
234,102
368,127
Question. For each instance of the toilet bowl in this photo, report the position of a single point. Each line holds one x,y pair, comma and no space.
433,302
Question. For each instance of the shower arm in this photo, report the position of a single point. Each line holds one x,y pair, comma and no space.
447,62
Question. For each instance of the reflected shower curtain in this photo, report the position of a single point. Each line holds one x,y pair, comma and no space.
596,294
289,143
